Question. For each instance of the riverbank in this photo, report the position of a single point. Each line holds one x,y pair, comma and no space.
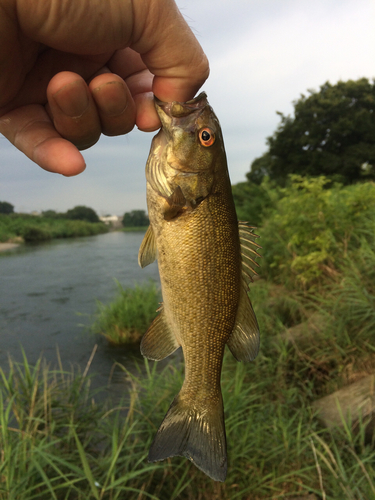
31,228
4,247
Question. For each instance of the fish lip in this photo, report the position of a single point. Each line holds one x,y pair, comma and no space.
176,109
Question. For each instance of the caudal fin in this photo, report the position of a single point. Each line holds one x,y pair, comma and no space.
196,434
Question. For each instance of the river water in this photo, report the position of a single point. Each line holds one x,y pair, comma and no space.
48,295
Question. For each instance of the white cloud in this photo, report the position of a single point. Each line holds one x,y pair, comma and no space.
263,55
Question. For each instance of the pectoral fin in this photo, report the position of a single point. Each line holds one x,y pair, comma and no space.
244,339
147,251
175,205
159,341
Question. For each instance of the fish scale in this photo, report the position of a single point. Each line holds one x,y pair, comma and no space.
204,268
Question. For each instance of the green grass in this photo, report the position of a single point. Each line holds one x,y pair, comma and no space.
127,317
58,440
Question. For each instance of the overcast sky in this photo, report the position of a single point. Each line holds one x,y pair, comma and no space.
263,54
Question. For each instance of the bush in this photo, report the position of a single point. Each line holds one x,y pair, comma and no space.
313,227
35,233
81,212
127,318
135,218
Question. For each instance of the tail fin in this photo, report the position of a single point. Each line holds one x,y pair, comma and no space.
196,434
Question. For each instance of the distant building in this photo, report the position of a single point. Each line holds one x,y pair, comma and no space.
115,221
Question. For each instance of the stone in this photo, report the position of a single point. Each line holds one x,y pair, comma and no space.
350,403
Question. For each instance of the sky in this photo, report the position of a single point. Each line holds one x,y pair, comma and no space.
263,55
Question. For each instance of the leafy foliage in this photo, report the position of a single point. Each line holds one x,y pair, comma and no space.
6,208
251,200
81,212
332,133
135,218
312,228
35,228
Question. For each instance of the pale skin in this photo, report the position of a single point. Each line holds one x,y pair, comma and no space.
73,70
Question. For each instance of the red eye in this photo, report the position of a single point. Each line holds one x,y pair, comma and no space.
206,137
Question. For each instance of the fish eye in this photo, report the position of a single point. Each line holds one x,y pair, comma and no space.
206,137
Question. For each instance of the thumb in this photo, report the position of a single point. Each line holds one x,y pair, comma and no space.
169,49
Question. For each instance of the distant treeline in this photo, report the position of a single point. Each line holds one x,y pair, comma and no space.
79,221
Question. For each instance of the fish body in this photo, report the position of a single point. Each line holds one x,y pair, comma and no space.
205,265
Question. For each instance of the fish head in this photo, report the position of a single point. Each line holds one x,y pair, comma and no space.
187,151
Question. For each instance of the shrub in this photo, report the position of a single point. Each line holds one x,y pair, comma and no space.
127,318
313,227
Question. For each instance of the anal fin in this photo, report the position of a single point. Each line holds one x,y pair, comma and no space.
244,340
159,341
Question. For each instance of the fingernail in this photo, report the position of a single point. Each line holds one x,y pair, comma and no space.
72,99
115,102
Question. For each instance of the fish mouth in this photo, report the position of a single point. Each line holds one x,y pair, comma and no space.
177,109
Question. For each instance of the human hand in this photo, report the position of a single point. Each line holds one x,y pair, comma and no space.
70,71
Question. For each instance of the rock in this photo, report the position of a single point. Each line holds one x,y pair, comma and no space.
305,331
352,402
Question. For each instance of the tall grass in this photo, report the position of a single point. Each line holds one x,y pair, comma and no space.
57,442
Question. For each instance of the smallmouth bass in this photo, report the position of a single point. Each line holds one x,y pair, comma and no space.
205,260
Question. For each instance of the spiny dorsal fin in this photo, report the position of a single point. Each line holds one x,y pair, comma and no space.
248,251
147,251
244,340
159,341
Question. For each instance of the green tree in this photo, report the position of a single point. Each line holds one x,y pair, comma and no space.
251,201
6,208
135,218
314,225
81,212
52,214
332,133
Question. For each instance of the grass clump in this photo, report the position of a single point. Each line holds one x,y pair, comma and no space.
127,317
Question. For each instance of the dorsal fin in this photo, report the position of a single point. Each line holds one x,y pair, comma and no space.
248,250
244,340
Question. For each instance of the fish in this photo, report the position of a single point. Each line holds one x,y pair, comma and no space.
206,262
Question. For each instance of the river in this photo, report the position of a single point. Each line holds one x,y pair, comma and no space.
48,295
